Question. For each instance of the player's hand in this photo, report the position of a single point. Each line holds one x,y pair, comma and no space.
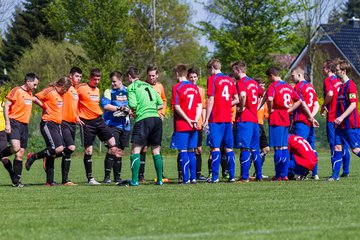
323,111
338,120
315,123
79,122
8,128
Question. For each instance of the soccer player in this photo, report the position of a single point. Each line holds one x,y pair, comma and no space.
302,157
90,114
193,76
222,95
116,116
331,90
17,113
347,118
147,130
3,143
68,124
50,99
187,104
247,126
151,78
303,119
279,97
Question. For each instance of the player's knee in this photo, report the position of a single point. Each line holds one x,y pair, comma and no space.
113,150
119,153
59,149
266,150
15,148
88,150
198,150
356,151
71,148
338,148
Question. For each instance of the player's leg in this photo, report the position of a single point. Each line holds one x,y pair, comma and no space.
255,152
243,140
17,130
154,139
228,142
192,144
142,164
198,154
214,140
68,132
124,142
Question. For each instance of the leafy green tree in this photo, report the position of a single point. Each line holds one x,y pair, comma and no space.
28,23
350,9
251,30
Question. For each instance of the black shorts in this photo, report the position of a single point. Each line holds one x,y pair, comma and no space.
93,128
200,138
51,132
19,131
263,138
3,140
68,130
122,137
147,132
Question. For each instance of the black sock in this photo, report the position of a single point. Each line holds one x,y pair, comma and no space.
179,167
47,152
224,165
198,164
117,168
6,152
65,168
88,166
9,168
209,166
142,164
108,163
50,169
17,165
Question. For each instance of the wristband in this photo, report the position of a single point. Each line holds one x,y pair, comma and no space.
43,106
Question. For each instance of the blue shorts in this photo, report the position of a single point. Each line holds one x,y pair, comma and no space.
221,135
184,140
296,168
306,132
278,136
247,135
348,136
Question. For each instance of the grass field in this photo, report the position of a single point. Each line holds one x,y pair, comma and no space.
255,210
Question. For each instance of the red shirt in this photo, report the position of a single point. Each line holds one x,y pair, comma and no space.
307,93
302,152
282,94
222,88
187,95
348,94
253,91
332,83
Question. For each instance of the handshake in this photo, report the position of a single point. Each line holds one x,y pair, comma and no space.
122,111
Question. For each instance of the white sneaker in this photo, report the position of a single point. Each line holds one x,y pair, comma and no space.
92,181
316,177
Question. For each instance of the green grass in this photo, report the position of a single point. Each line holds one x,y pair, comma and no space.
255,210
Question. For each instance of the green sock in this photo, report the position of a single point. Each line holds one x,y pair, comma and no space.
158,166
135,165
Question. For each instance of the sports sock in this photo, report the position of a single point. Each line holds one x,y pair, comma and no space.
184,160
117,168
158,162
17,165
50,169
108,163
346,159
315,170
263,157
142,164
65,167
285,160
224,164
192,165
277,162
198,164
215,165
257,159
135,165
209,165
178,161
231,164
6,152
336,161
47,152
88,166
8,166
245,163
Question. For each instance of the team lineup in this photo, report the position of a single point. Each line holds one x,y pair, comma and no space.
232,116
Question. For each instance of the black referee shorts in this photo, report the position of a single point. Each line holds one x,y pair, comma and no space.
147,132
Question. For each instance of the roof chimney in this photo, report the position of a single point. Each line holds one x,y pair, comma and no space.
354,22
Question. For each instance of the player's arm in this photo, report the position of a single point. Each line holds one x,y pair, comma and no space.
295,106
159,102
38,102
6,116
106,102
347,112
263,101
164,100
327,100
235,100
132,98
242,101
183,115
269,102
209,107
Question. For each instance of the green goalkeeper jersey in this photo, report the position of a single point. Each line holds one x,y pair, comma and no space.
144,99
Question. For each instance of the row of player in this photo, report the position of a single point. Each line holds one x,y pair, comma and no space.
67,103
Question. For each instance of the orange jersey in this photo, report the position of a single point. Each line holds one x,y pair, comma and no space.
20,109
70,108
160,90
262,113
54,104
89,99
203,101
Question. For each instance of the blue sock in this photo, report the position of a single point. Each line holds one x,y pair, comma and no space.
336,161
184,159
277,162
245,163
346,159
192,166
215,164
315,170
257,159
231,164
286,162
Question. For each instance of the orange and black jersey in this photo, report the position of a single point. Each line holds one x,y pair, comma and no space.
89,99
70,108
53,102
20,109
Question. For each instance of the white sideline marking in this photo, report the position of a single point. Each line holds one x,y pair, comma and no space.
234,234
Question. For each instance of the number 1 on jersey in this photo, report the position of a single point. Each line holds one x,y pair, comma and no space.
148,91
